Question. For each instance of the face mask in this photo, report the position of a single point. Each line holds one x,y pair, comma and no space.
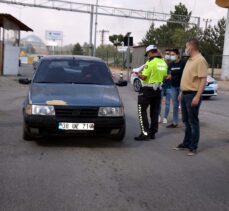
187,51
167,57
173,58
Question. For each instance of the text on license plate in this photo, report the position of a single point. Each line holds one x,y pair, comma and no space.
76,126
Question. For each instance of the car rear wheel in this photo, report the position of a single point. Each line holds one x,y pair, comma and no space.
137,85
26,134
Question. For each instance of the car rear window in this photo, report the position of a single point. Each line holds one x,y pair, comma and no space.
73,71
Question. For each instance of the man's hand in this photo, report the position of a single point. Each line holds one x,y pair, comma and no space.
142,76
195,101
168,77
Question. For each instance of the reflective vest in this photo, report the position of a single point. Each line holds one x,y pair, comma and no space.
155,71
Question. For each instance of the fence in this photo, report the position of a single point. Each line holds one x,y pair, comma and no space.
115,58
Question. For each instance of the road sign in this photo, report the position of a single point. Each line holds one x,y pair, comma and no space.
54,35
122,48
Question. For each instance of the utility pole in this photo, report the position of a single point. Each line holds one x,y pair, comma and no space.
206,20
103,36
91,31
128,55
96,24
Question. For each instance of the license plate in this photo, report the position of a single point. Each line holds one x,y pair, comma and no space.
76,126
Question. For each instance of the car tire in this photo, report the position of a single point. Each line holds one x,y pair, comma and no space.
120,136
26,135
137,85
207,97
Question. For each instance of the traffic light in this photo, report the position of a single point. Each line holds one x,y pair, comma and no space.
128,39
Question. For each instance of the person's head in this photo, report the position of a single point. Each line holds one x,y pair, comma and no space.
192,47
174,55
167,55
151,51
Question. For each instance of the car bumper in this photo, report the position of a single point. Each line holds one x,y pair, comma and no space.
47,125
209,92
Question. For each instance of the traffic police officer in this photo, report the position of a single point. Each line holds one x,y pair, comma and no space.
153,75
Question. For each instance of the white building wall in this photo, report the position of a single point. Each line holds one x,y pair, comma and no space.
11,60
225,64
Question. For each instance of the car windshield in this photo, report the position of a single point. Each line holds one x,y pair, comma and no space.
73,71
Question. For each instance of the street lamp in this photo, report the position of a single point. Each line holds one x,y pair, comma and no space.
206,20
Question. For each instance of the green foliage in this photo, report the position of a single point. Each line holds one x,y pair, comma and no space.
171,34
175,35
77,49
116,39
180,14
212,42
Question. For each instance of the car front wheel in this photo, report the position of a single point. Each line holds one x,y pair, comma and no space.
137,85
26,134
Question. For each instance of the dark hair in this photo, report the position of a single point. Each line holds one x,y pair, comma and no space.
154,50
175,50
168,49
194,42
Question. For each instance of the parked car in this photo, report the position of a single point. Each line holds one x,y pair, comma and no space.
135,80
71,95
36,61
210,89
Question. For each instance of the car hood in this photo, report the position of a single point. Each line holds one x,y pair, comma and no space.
75,94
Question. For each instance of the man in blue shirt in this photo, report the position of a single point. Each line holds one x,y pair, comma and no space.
176,68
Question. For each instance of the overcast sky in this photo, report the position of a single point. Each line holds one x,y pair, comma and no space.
75,26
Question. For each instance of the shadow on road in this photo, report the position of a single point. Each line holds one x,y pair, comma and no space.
79,141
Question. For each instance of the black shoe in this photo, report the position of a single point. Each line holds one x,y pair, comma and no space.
142,137
181,147
192,152
152,136
172,126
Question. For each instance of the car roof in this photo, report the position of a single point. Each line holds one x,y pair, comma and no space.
69,57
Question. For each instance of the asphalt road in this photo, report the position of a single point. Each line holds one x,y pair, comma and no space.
99,175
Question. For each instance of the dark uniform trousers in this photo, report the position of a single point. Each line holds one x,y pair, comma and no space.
149,97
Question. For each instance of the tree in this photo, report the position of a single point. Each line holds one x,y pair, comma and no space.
212,42
77,49
181,14
116,39
219,34
86,48
106,52
171,34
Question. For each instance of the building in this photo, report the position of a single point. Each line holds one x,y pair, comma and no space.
10,28
32,44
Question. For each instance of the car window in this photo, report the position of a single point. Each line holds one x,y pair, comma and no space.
73,71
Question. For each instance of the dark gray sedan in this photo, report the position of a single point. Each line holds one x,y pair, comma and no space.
73,95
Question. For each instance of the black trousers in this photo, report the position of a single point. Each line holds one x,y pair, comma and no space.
149,97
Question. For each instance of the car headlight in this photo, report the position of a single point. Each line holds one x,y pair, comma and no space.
111,112
40,110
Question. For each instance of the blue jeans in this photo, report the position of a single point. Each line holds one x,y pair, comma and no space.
167,94
191,121
175,91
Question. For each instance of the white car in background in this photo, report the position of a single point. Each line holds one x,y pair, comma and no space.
135,80
210,89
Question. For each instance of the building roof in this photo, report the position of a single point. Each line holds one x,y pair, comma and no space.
222,3
14,20
32,39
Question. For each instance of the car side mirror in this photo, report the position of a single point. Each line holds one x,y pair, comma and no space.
24,81
121,83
